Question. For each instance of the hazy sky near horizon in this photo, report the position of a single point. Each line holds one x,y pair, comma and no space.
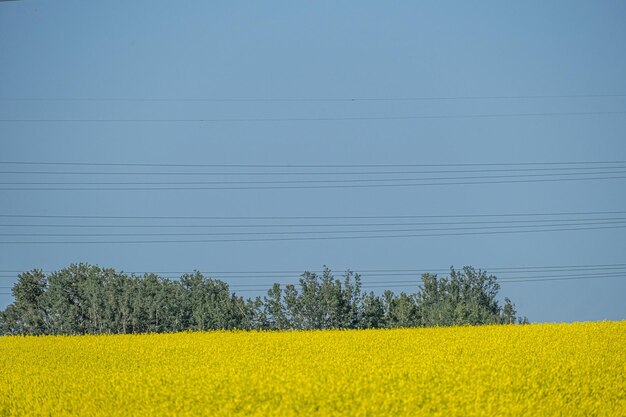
452,51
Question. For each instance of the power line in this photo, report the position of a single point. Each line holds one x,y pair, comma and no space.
317,237
310,99
584,171
307,232
316,181
368,275
595,272
316,119
499,269
507,164
290,187
502,275
410,272
565,279
109,226
64,216
415,283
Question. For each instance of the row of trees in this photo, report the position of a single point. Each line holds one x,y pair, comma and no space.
87,299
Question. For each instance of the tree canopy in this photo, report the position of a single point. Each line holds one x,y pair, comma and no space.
88,299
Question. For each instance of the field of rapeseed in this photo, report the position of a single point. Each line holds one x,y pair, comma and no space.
536,370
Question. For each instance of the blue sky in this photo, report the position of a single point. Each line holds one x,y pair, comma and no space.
301,50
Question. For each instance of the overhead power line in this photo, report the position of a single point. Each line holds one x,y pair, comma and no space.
415,285
410,216
314,99
300,238
349,180
502,275
415,282
275,225
383,271
123,164
617,272
315,119
553,171
369,275
324,185
321,232
315,181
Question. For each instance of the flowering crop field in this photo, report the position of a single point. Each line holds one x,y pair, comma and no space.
536,370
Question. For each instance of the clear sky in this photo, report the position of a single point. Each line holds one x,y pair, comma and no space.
308,50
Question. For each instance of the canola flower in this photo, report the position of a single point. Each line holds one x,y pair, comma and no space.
537,370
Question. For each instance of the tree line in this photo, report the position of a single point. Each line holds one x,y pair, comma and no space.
88,299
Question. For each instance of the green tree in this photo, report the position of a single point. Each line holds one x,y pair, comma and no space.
257,316
28,313
69,308
83,298
274,309
352,300
293,308
372,311
313,313
466,297
508,312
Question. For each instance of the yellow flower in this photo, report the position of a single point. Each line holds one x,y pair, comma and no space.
537,370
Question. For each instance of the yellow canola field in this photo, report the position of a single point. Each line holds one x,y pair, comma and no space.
536,370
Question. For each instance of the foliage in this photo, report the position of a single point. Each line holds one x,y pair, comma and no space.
87,299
